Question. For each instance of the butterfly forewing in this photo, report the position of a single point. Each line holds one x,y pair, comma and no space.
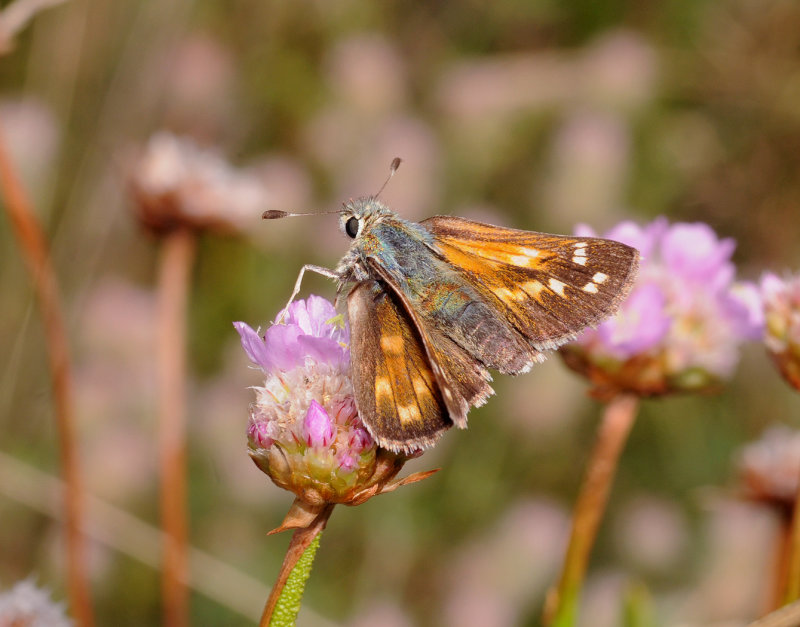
395,388
550,287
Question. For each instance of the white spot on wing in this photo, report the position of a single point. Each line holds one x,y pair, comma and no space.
557,286
600,278
581,261
590,287
532,288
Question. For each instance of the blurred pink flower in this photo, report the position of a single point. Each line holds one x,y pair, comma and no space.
681,327
26,605
32,136
781,300
769,468
368,73
496,578
174,182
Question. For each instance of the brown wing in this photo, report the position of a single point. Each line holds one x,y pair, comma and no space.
396,392
461,378
550,287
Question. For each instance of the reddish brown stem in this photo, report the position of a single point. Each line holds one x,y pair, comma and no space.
792,592
781,570
301,540
173,293
34,249
618,418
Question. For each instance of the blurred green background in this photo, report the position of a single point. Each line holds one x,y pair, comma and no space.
536,114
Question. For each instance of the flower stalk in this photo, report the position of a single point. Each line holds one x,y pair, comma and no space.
173,294
792,592
284,601
561,607
35,251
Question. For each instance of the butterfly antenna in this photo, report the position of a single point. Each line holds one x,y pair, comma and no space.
274,214
392,169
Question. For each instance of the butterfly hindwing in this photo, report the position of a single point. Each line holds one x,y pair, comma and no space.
462,380
550,287
396,392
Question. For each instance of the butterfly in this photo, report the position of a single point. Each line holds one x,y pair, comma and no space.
433,306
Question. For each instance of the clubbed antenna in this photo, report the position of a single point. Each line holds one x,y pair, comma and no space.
392,169
274,214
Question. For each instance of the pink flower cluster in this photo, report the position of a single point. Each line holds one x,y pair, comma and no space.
681,326
304,430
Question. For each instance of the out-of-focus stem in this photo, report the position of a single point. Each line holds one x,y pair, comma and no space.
173,294
783,544
34,249
787,616
301,540
793,562
562,603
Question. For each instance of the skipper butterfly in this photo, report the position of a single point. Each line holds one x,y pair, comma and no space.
432,306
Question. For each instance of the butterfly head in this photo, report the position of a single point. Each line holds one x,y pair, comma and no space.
360,215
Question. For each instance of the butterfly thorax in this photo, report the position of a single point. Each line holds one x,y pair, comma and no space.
375,230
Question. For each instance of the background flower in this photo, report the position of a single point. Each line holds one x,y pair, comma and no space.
782,330
769,468
681,326
26,605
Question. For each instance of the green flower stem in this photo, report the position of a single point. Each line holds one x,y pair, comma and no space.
561,607
284,601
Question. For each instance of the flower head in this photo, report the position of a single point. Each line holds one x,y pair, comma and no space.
770,467
26,604
680,328
174,183
781,300
304,430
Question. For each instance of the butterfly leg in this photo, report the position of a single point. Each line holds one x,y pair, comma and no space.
331,274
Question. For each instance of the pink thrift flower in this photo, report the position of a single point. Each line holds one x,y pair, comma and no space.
781,301
681,326
304,431
175,182
317,426
769,468
26,605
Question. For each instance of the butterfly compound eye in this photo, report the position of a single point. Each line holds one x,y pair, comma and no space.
351,227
